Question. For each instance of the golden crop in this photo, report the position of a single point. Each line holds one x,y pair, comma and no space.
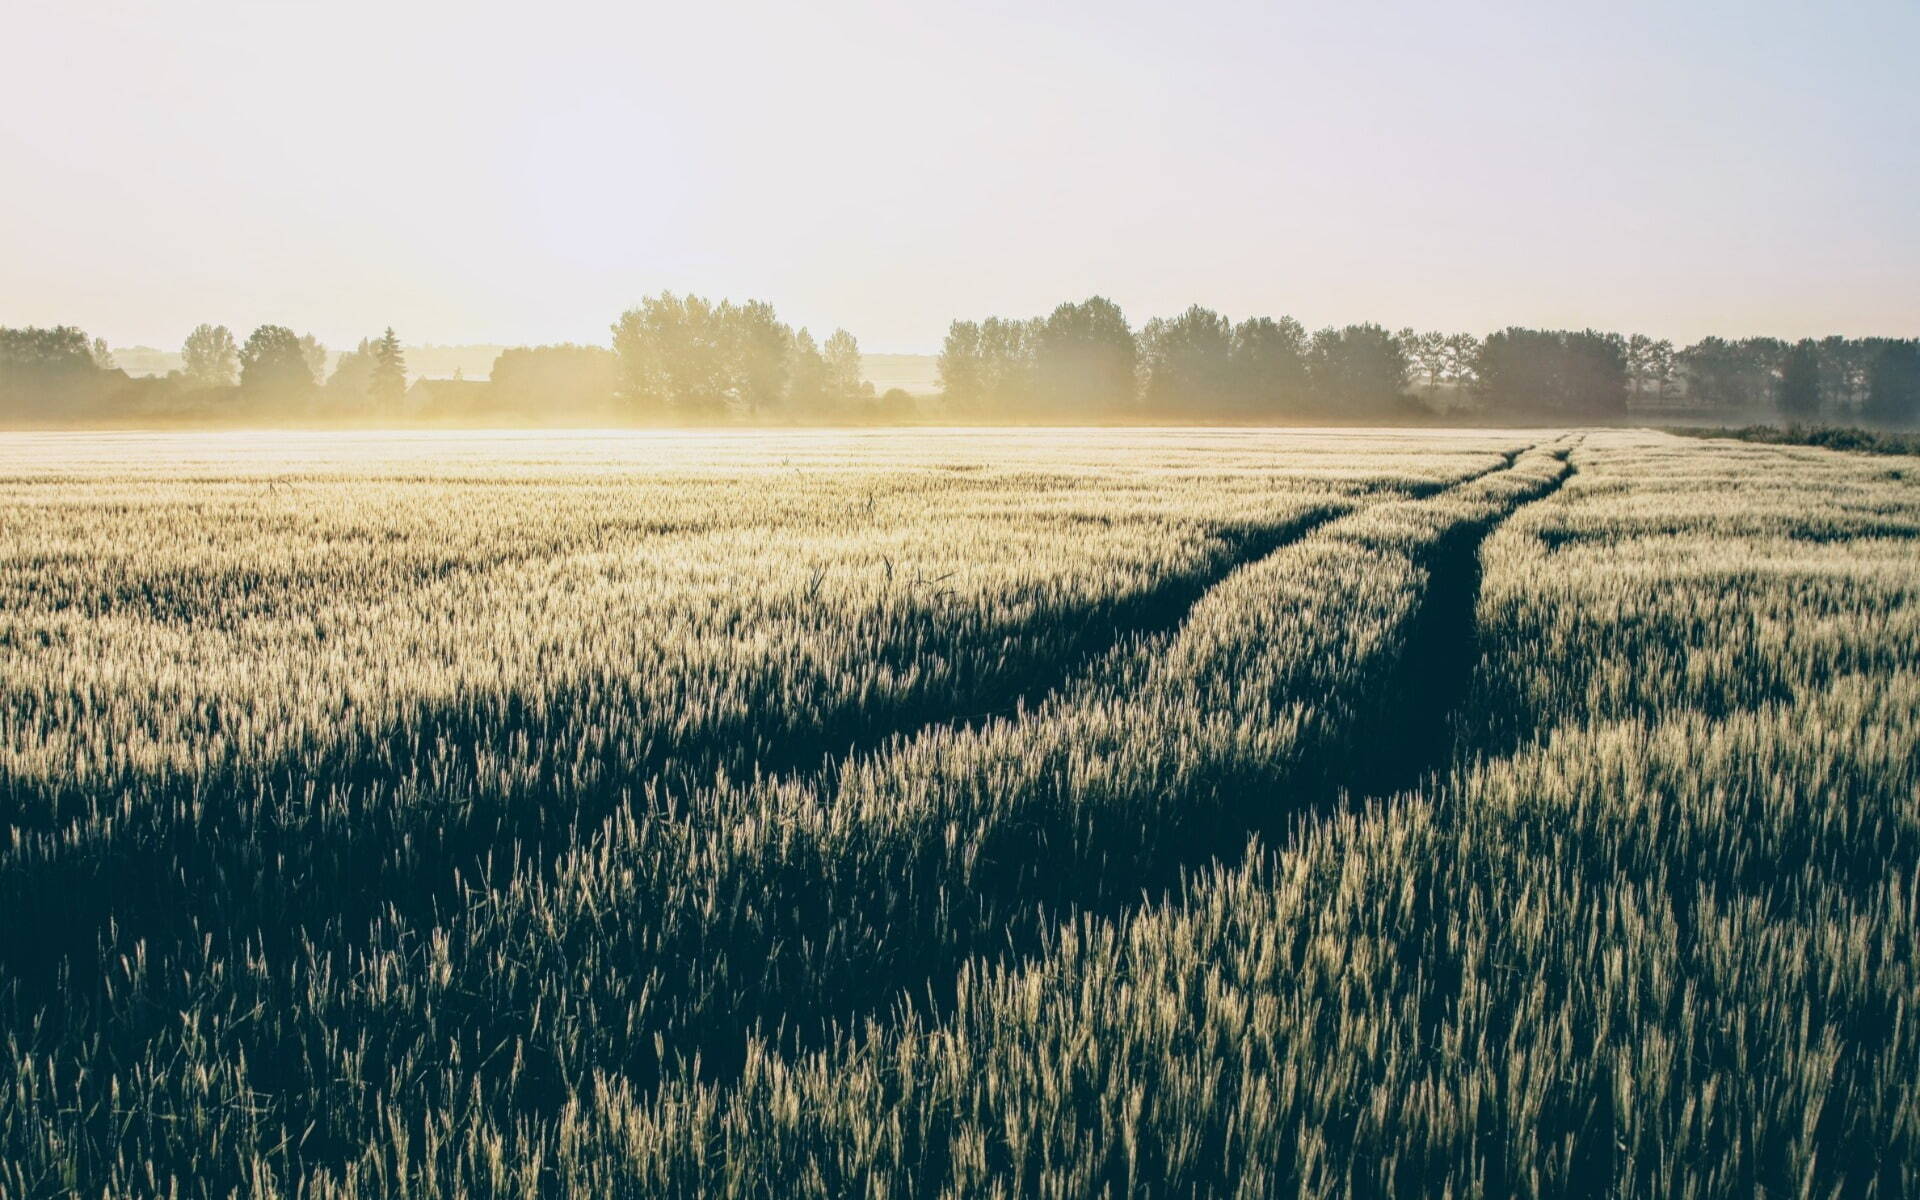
1045,813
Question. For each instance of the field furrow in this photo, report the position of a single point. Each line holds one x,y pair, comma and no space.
1426,723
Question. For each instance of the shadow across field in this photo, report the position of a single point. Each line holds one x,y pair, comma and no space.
314,846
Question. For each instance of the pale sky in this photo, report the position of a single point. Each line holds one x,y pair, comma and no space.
522,173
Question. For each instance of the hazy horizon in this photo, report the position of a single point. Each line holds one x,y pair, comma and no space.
470,178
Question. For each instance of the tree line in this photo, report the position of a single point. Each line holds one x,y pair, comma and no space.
674,359
54,373
685,359
1084,362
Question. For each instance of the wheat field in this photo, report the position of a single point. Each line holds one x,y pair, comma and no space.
923,813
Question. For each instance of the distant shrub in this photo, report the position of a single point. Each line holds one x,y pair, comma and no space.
1830,437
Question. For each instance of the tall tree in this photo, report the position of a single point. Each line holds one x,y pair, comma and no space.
848,393
1188,365
1799,386
1085,356
1357,372
1270,366
1427,358
316,356
212,360
962,366
274,364
807,394
347,389
1731,375
760,348
61,349
1463,357
1893,384
1008,349
387,381
675,357
1596,381
1639,360
1844,364
1554,374
41,365
1659,369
